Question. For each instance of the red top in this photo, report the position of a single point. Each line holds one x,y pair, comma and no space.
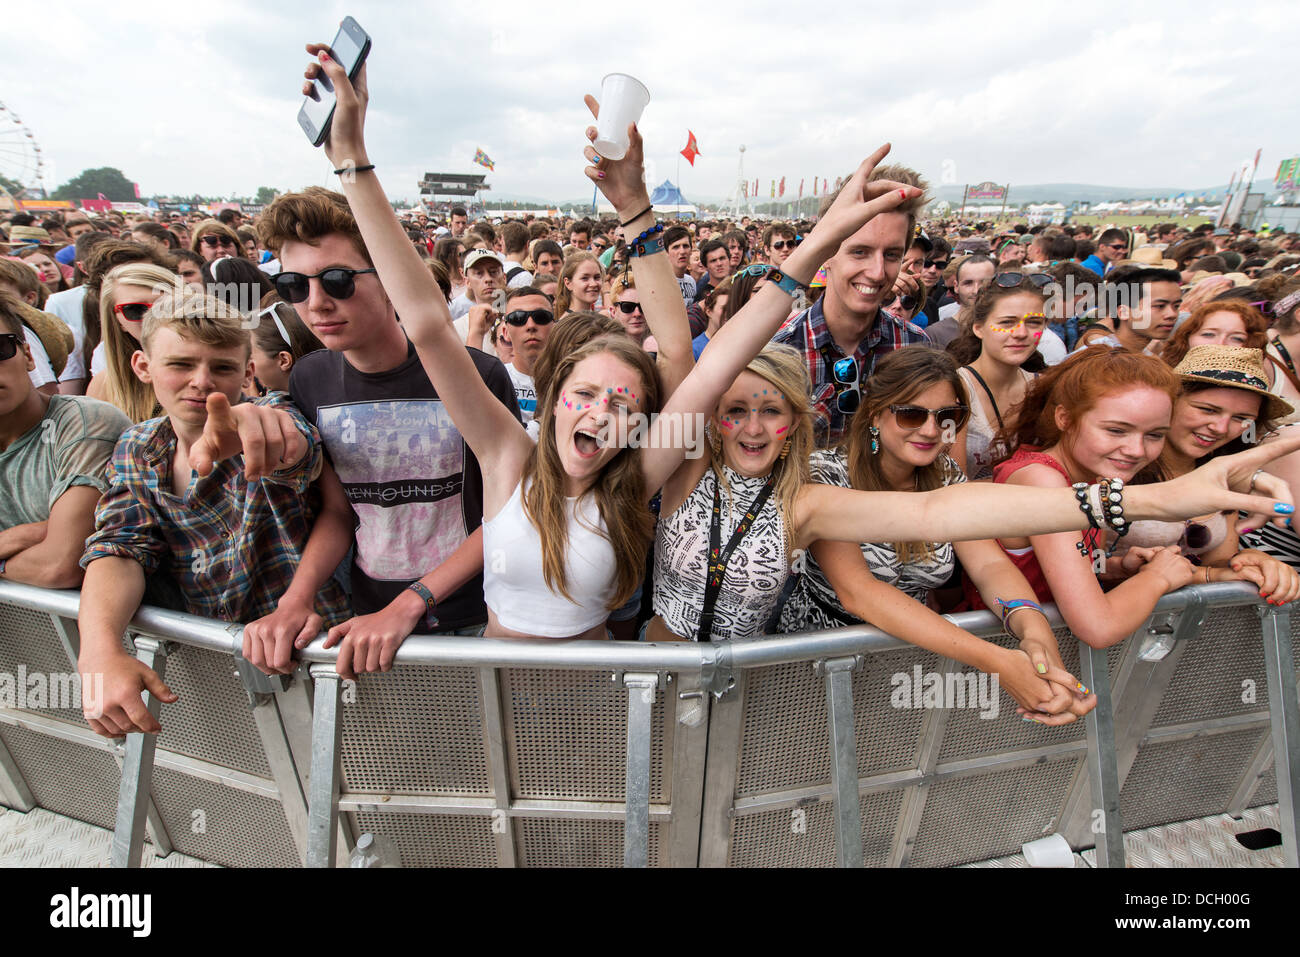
1026,561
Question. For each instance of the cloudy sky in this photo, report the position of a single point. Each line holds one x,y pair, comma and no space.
202,98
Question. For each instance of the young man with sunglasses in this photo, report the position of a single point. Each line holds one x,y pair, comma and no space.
414,486
53,455
1112,246
846,330
526,325
778,243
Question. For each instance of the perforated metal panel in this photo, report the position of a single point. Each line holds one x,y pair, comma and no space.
28,638
548,842
212,720
66,778
988,815
1210,675
567,736
416,731
805,836
435,840
1266,793
888,737
1178,780
785,741
232,827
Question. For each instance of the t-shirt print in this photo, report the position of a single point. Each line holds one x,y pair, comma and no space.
402,466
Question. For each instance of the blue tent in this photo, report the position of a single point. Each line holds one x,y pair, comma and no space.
667,198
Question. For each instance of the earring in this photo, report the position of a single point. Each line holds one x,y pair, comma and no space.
875,440
785,449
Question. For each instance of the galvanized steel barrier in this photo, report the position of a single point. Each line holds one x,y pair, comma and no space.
785,750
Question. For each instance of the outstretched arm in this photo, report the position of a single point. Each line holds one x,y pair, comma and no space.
497,438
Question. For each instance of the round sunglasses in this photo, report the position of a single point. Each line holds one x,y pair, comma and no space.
338,283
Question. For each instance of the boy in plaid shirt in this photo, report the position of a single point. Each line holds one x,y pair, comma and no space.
185,502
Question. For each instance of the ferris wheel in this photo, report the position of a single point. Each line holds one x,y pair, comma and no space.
20,154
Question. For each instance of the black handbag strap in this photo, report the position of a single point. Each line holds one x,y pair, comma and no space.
989,392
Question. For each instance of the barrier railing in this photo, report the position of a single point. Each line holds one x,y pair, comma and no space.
817,749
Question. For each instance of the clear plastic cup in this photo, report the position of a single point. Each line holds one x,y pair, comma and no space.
622,99
1050,851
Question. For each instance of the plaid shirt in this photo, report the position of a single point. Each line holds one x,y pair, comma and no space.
809,333
231,547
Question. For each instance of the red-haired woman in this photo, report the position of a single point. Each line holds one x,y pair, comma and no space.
1101,412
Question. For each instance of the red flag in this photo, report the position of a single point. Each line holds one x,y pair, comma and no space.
692,149
755,193
782,192
801,189
136,187
814,185
824,184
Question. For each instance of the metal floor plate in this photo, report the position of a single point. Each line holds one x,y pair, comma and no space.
40,838
1207,842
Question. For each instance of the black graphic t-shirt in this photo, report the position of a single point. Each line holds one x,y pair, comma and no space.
413,483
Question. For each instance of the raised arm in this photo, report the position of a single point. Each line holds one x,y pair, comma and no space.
498,440
753,327
623,183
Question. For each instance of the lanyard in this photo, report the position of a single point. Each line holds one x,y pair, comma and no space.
718,556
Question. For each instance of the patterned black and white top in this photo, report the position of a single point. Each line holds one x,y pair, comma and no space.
756,572
813,605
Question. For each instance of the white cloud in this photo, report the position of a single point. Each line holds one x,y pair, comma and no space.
203,99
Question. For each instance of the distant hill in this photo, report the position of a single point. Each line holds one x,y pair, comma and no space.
1089,193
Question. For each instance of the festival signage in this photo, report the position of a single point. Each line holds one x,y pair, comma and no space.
986,190
1288,174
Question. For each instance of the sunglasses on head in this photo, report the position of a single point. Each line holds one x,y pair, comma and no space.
627,308
132,311
1264,306
9,344
213,241
913,417
1010,280
338,283
520,317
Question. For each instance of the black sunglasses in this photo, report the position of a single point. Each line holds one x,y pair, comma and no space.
936,264
520,317
8,346
212,242
1010,280
912,417
338,283
627,308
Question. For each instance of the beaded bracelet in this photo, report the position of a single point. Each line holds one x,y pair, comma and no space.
1082,493
648,243
1112,499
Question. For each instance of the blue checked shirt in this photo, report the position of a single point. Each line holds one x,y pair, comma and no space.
809,333
232,547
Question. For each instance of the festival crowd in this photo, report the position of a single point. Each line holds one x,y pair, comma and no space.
336,418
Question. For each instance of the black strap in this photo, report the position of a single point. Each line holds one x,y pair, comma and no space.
718,557
511,274
1276,342
989,392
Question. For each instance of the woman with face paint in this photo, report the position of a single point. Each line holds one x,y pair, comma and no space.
1007,322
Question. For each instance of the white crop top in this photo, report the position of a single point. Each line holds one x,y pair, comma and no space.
515,588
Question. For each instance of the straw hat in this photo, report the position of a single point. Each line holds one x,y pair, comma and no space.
1152,256
55,336
1233,367
28,236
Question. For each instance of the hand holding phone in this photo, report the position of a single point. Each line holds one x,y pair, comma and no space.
350,47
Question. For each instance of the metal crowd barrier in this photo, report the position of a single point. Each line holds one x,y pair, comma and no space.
783,750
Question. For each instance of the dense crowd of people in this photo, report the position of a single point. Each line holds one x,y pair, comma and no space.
337,418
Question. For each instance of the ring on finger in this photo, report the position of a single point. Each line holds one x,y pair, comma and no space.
1253,478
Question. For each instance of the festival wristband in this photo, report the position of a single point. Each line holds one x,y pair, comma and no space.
787,284
430,603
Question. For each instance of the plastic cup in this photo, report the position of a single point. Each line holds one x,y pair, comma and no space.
622,99
1050,851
